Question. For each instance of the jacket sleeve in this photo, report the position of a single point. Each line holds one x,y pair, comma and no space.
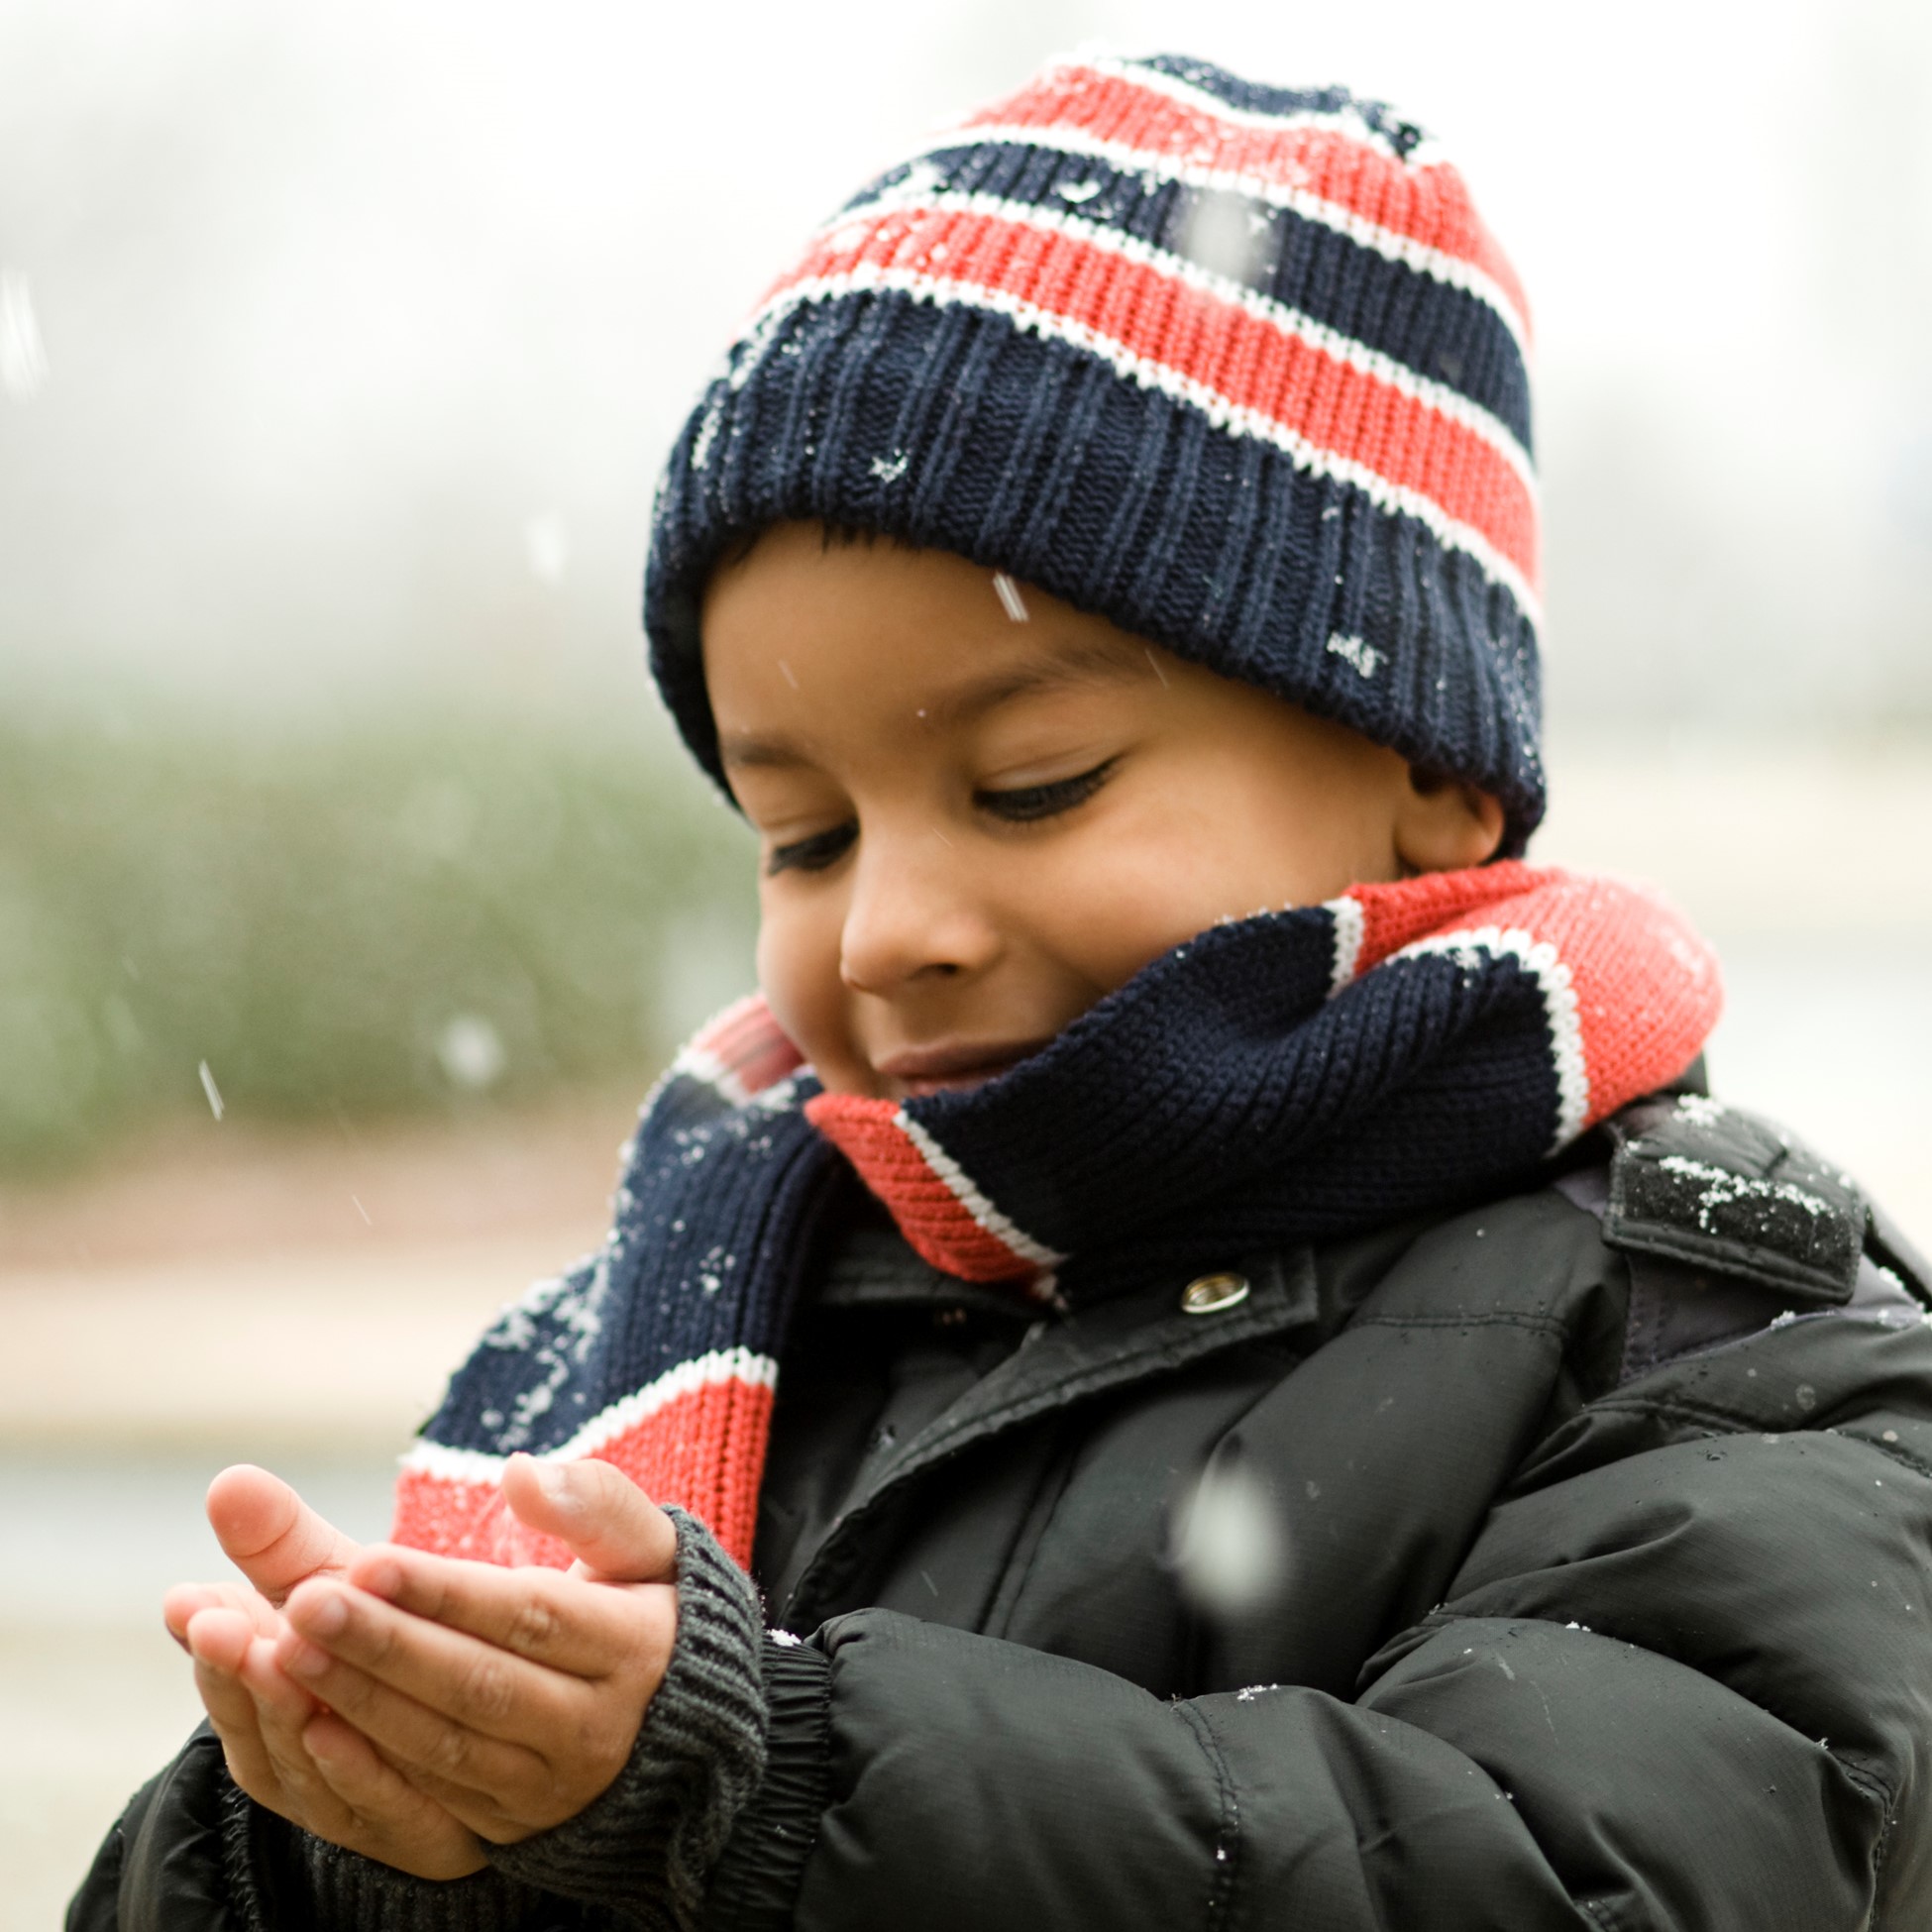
194,1852
1681,1680
165,1862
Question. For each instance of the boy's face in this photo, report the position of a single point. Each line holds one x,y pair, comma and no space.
974,827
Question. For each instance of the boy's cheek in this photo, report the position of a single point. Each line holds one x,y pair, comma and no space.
798,960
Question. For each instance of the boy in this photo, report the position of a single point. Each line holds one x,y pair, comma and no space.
1244,1417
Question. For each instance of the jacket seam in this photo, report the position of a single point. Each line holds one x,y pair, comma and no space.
1682,1409
1550,1324
1046,1396
1892,1452
1228,1836
1881,1789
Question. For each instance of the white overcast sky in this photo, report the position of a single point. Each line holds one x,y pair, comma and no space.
352,314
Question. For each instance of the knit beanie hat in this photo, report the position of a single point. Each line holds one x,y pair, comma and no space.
1236,367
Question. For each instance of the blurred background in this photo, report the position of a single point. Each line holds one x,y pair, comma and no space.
351,885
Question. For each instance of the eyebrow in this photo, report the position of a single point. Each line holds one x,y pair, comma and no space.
1080,661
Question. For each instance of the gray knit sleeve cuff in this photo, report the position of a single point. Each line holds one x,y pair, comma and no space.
647,1845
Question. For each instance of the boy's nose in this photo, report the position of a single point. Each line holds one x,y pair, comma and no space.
913,911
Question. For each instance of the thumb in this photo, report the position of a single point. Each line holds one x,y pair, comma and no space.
269,1534
615,1530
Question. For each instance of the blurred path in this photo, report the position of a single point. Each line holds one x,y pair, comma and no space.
289,1292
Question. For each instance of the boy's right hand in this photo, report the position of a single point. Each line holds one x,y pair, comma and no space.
282,1748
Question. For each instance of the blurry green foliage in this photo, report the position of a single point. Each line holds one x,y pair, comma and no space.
380,922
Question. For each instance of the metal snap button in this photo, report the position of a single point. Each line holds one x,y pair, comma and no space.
1208,1294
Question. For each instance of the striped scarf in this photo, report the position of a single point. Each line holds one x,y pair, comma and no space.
1290,1077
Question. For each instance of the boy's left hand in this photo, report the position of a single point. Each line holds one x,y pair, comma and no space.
511,1696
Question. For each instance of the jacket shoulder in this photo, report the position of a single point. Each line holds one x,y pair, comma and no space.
1724,1190
1728,1224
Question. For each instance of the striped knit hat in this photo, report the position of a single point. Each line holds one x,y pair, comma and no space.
1237,367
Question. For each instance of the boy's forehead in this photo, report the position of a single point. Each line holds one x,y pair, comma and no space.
872,620
956,686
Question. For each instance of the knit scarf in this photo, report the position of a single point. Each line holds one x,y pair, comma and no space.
1285,1078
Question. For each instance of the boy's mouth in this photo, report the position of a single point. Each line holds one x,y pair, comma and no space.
949,1065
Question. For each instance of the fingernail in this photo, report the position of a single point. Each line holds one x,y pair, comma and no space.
559,1486
305,1661
381,1578
325,1613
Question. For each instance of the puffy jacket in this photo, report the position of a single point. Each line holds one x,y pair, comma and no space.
1582,1578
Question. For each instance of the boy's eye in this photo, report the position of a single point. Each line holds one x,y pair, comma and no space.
813,854
1045,801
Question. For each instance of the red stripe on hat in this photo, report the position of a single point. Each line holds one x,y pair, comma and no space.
1161,320
932,1218
1427,204
703,1451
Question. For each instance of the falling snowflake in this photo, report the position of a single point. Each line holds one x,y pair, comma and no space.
1227,235
547,543
1229,1549
1011,600
471,1052
22,359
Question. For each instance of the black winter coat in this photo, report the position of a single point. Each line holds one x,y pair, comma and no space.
1597,1590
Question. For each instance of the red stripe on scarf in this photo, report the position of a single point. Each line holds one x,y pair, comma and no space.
704,1451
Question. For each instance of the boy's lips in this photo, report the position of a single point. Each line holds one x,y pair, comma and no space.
916,1071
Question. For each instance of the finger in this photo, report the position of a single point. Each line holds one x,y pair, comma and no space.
271,1534
231,1710
403,1827
477,1683
413,1737
219,1637
185,1601
565,1623
609,1524
282,1711
356,1772
219,1642
224,1695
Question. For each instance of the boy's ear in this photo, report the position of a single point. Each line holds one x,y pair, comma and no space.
1443,825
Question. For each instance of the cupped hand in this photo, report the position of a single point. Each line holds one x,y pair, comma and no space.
513,1697
290,1755
282,1748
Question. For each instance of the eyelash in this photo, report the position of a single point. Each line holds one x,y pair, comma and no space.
1034,802
1023,806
